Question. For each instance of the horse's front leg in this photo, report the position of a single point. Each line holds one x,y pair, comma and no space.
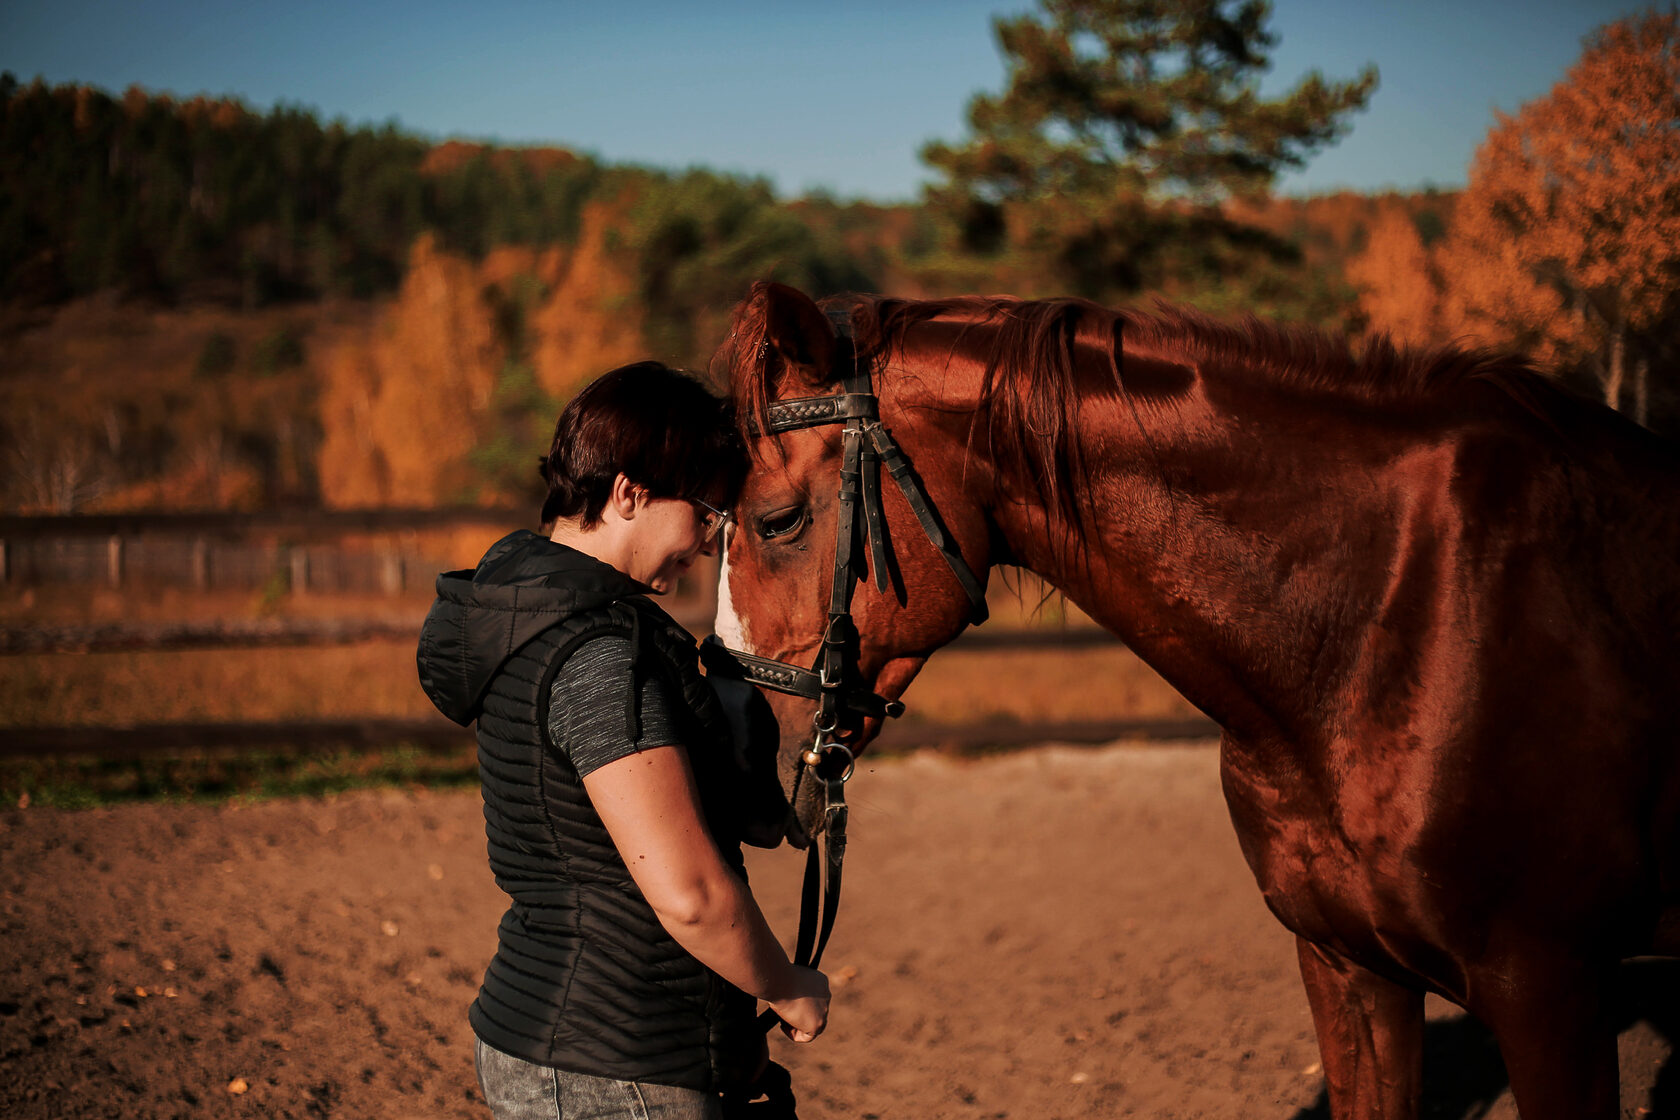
1553,1018
1370,1037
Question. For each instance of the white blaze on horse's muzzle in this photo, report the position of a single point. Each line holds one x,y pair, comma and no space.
729,626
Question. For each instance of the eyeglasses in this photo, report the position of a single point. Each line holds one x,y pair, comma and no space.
713,520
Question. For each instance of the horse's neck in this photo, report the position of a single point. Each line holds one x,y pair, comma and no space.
1190,537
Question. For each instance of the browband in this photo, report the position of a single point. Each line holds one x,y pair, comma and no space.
812,412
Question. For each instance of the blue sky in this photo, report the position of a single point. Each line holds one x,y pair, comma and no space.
838,96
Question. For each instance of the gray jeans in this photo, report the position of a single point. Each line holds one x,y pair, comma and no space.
519,1090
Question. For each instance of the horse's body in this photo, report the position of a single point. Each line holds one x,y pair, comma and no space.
1432,601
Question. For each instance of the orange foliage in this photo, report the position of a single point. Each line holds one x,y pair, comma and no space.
452,155
85,96
1333,227
1567,241
1372,241
404,403
220,112
591,320
398,406
1398,292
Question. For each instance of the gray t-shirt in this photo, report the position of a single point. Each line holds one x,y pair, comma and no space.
589,701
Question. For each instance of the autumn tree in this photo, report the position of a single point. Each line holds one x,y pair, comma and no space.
1567,241
1123,126
1398,284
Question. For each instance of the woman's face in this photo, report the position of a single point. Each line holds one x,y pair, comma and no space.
665,537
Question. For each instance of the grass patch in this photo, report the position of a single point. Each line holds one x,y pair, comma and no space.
213,685
217,776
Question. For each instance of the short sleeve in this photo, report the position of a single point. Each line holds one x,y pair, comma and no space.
589,705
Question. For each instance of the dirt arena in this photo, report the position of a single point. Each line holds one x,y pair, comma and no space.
1049,933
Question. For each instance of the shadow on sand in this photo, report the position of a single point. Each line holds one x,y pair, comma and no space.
1463,1074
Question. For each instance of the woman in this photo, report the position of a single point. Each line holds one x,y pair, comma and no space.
628,962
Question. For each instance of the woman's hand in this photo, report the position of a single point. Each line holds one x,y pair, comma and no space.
804,1013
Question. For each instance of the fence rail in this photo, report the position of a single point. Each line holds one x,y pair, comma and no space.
208,564
113,637
302,522
295,551
277,553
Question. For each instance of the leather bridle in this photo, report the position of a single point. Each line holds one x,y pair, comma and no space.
835,681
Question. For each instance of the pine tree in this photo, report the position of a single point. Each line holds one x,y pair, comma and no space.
1124,124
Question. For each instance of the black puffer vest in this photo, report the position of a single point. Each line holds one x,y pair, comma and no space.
584,978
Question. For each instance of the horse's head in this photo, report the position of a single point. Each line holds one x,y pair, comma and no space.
777,589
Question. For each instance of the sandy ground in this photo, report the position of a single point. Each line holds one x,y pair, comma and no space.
1051,933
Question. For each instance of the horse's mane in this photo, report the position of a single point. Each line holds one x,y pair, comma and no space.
1038,373
1032,396
1034,336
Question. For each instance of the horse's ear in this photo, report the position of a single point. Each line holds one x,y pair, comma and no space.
780,345
798,332
781,337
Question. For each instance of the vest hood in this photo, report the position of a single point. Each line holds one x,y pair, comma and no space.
523,585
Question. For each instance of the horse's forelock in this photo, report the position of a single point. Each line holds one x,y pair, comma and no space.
741,363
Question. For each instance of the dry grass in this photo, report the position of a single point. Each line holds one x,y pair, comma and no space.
1100,682
377,679
365,679
79,782
64,605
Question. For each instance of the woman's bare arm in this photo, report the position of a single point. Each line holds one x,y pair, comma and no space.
651,807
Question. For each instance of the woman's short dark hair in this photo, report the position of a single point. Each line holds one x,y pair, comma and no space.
660,427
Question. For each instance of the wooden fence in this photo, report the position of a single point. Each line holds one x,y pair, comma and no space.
298,552
287,552
303,552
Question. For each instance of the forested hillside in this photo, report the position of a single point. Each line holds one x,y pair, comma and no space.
209,306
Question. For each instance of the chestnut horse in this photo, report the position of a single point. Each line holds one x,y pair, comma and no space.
1431,599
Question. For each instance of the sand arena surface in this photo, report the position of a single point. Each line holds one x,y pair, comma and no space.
1051,933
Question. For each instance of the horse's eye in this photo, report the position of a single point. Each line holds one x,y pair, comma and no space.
781,522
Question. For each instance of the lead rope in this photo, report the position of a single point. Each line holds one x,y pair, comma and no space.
819,895
822,873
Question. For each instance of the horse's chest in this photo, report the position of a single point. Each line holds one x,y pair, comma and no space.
1329,871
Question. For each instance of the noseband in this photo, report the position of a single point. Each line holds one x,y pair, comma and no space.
835,680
